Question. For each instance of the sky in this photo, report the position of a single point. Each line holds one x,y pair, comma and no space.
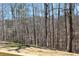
8,15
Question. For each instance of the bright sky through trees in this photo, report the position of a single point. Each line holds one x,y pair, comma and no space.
7,9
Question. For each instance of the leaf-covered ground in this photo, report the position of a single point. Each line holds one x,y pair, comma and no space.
31,51
37,52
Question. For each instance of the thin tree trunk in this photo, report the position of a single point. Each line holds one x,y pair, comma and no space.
35,41
58,29
49,27
45,6
65,18
53,25
3,24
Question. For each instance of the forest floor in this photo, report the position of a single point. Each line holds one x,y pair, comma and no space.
32,51
36,52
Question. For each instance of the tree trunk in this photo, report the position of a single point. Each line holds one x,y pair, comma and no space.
45,6
58,29
53,26
35,41
71,28
65,25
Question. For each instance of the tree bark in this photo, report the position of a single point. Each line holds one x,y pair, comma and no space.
65,18
45,6
53,25
35,41
58,29
71,28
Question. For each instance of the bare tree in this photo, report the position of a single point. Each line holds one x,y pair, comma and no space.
53,26
49,31
35,41
65,18
3,23
71,27
58,29
45,6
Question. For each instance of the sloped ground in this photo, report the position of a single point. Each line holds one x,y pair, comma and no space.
32,51
8,54
43,52
37,52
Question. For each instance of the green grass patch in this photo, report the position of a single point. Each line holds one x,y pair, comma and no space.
13,45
